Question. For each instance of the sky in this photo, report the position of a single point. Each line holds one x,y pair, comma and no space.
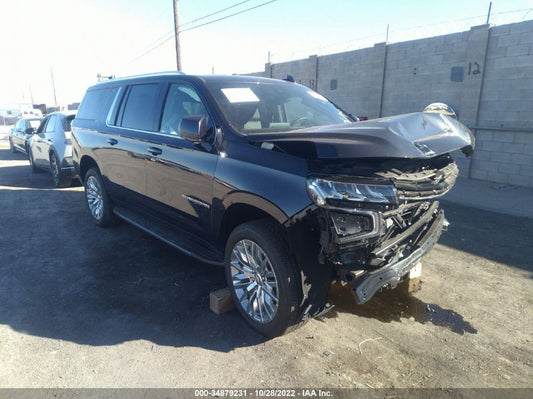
75,40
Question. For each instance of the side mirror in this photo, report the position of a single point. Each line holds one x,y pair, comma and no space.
30,130
441,108
193,128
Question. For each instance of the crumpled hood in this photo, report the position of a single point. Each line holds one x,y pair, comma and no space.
417,135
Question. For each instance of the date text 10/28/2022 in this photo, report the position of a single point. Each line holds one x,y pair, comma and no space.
263,393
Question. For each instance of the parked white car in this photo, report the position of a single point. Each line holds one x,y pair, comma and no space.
50,148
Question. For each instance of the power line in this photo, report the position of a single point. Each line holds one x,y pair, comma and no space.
347,44
229,16
171,31
215,13
169,37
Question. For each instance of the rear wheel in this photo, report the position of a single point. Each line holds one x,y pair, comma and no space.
98,201
262,278
58,176
11,146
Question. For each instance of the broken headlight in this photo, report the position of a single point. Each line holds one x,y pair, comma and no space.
327,192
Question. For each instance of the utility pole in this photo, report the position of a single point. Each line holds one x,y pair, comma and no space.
177,35
53,86
31,96
488,14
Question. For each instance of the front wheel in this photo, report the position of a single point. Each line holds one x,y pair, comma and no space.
98,201
262,278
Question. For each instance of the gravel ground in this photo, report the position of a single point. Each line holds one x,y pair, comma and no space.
85,307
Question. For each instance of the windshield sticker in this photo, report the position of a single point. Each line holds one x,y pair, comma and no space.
240,95
316,95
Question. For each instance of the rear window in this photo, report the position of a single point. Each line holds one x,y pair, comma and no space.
96,103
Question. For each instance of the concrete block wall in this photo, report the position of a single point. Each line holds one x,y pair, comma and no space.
485,74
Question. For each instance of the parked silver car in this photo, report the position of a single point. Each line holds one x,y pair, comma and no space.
50,148
21,132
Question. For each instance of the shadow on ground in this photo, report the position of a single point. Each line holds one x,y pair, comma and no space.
388,306
61,277
66,279
500,238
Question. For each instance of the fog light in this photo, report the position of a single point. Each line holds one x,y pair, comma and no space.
350,224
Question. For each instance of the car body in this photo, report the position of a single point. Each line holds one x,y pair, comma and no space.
21,132
269,179
50,148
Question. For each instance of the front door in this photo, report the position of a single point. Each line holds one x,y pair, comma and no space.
180,177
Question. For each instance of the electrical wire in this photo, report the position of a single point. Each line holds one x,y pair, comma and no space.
170,35
214,13
228,16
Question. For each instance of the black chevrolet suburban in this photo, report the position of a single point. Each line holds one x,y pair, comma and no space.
271,180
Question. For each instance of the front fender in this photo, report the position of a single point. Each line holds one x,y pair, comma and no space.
252,200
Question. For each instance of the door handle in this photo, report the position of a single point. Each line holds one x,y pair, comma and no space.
49,140
155,150
112,141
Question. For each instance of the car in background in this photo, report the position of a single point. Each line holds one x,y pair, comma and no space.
21,132
50,148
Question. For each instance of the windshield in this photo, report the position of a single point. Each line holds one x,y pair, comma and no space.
259,107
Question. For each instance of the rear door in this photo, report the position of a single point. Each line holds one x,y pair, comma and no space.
126,145
180,173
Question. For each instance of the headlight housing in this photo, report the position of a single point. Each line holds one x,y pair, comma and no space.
325,192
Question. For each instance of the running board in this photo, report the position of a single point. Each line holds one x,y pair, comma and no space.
173,236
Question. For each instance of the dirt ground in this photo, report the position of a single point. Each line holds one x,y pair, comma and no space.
82,306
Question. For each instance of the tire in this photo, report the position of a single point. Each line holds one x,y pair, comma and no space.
34,169
59,179
11,147
274,288
98,201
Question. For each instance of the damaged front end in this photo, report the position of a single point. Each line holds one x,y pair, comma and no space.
374,186
379,224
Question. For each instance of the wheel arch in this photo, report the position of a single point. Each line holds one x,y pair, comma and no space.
86,163
240,213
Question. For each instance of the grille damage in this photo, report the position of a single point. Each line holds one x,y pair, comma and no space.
403,227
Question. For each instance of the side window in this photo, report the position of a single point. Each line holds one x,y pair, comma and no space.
181,101
96,104
140,109
50,125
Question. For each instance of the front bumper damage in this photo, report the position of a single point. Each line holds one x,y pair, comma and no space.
370,245
370,282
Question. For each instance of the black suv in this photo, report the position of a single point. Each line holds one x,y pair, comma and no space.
269,179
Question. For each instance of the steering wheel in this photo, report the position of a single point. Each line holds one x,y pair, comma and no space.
302,121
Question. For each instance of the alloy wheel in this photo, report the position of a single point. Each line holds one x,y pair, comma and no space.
55,170
254,281
94,198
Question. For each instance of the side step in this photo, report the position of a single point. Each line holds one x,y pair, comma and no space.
178,238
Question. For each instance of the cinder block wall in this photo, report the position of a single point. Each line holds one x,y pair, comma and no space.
485,74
